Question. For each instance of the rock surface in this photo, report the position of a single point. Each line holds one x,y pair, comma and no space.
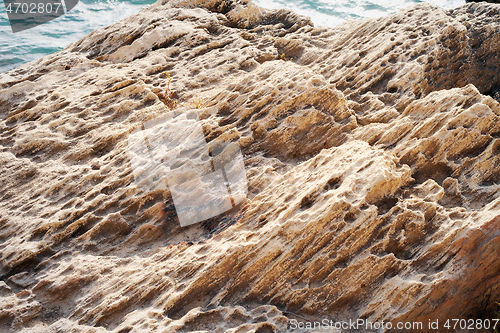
371,152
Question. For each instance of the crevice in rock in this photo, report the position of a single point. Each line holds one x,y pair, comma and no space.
436,171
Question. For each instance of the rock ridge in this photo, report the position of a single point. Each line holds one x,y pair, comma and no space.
371,151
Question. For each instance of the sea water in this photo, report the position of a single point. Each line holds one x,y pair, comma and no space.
89,15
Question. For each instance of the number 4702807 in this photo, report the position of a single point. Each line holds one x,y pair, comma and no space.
32,8
471,324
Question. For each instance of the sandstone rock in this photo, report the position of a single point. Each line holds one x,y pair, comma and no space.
4,289
371,152
22,280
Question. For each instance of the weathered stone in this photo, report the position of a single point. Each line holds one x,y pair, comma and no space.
371,152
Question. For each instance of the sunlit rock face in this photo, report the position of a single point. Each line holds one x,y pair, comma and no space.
371,153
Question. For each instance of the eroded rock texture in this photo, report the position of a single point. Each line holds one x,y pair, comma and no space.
371,151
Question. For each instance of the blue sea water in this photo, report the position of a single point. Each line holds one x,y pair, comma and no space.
89,15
